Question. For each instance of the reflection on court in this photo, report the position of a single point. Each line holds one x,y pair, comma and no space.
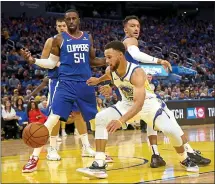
130,152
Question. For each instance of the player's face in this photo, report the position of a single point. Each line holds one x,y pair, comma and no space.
132,28
113,59
61,27
72,21
149,77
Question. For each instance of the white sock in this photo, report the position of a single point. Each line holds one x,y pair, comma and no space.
188,148
53,141
154,148
37,151
63,132
100,158
182,156
85,140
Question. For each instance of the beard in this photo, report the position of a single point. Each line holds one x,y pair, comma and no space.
115,67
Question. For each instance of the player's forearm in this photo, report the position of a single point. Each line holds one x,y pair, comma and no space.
38,89
97,62
103,78
131,113
136,54
49,63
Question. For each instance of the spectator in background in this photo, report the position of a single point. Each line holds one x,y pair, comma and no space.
21,113
13,82
34,114
10,119
150,77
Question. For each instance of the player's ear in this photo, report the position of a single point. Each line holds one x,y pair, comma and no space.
125,30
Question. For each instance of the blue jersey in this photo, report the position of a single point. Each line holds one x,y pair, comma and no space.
75,58
129,57
53,73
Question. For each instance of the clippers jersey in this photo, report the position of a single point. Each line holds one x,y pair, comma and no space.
129,57
126,88
75,58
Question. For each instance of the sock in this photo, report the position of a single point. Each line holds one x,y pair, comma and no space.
84,140
154,148
53,141
37,151
63,132
182,156
100,158
188,148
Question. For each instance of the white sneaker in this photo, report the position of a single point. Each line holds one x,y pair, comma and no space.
52,154
88,152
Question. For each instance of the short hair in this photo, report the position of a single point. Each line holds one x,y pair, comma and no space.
130,17
72,10
116,45
60,19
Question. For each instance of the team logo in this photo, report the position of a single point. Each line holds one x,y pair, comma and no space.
196,113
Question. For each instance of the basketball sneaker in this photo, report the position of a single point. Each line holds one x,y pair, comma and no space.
31,166
52,154
198,159
94,171
87,151
189,165
157,161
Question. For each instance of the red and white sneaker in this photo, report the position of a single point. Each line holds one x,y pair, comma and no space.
31,166
108,159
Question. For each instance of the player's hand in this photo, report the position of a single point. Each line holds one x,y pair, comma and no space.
167,66
105,90
113,126
92,81
27,56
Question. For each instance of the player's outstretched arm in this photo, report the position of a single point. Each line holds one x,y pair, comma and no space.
39,88
138,79
132,47
51,61
92,81
94,61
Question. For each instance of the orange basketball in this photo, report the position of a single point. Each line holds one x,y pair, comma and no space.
35,135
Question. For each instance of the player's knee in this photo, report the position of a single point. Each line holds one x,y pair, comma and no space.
100,119
174,136
150,131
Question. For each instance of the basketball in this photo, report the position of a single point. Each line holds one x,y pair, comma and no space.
35,135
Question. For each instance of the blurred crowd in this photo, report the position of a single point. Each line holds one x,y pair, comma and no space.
187,43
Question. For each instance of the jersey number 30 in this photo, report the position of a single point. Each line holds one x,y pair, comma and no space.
78,57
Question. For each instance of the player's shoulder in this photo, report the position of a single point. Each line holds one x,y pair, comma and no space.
130,41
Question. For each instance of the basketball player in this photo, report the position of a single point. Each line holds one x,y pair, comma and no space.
81,126
137,98
133,54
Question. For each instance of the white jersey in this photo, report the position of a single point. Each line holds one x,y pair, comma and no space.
126,88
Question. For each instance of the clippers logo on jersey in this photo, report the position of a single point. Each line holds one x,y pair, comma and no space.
127,92
78,48
196,113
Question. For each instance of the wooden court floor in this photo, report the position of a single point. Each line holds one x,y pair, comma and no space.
129,150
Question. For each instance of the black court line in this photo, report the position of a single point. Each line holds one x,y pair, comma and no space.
172,178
